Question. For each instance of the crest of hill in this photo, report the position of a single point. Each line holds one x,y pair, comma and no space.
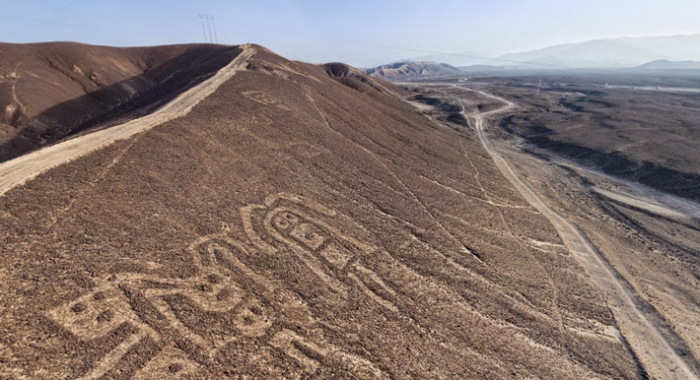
664,64
357,80
413,70
49,91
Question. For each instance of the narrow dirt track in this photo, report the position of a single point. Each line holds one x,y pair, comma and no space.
645,337
21,169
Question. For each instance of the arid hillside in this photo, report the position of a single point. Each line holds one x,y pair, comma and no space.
287,220
52,90
647,136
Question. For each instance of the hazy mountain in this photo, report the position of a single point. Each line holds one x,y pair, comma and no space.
455,59
664,64
614,52
413,70
483,68
404,60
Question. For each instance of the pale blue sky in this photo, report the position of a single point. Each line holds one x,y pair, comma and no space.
359,32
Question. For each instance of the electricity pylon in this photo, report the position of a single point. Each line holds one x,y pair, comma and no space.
208,28
216,38
201,18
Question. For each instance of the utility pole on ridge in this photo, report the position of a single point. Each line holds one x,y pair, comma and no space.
201,18
206,16
216,38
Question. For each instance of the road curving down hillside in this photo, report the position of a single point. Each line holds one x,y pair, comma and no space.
21,169
646,338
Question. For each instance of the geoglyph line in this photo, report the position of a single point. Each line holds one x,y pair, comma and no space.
225,286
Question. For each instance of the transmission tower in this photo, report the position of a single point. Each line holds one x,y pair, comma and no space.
208,28
216,38
201,18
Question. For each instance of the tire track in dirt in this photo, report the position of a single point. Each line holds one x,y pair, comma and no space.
55,219
507,227
477,278
21,169
639,324
381,161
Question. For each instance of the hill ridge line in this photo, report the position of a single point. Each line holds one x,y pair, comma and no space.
26,167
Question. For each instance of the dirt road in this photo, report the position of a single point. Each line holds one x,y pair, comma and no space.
20,170
645,336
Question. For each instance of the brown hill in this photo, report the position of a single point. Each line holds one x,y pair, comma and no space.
414,70
52,90
300,221
357,80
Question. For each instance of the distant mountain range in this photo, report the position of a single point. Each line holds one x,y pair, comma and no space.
644,53
608,53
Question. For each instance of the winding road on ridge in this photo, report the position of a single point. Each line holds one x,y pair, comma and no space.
645,336
21,169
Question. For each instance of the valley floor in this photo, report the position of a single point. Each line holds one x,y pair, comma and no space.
637,244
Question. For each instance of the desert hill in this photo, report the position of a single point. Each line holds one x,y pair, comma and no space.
49,91
413,70
664,64
282,220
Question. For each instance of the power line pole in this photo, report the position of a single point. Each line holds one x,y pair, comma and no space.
208,28
216,38
201,18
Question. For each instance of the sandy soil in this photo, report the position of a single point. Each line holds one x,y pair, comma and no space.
648,137
298,222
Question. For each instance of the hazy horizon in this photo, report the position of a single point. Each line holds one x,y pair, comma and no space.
363,33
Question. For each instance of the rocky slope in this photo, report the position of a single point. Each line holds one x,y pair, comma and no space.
49,91
301,221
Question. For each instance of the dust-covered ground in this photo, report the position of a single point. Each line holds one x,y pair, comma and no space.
300,222
646,131
646,237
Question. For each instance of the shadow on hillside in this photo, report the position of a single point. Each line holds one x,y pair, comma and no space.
80,115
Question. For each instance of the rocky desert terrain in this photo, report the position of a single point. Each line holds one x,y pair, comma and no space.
266,218
646,132
50,91
638,239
